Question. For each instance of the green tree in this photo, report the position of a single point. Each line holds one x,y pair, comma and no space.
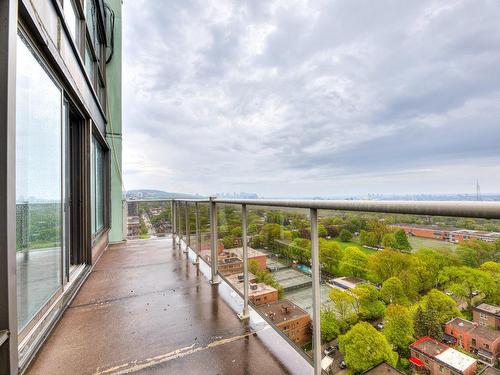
426,322
353,262
368,301
473,253
420,322
330,326
342,303
444,306
389,241
329,254
368,238
398,327
402,242
388,263
435,259
322,232
364,347
265,277
345,235
465,282
493,269
392,291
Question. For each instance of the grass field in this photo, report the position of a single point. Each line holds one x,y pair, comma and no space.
343,245
419,242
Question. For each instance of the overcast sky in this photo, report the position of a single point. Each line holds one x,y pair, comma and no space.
308,98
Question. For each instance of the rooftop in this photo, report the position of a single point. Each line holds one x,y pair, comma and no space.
255,289
456,359
252,253
461,324
491,309
446,355
282,310
429,346
383,369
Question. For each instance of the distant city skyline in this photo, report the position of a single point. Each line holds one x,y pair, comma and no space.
299,98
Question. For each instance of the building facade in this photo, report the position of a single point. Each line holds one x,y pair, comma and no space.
291,319
487,315
434,358
481,341
61,191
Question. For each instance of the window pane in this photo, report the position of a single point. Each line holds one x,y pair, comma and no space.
89,64
70,14
90,16
97,186
38,185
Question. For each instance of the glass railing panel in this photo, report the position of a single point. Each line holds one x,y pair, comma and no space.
205,234
279,262
391,279
149,219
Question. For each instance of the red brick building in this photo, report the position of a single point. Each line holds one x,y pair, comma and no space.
487,315
447,234
435,358
258,293
291,319
476,339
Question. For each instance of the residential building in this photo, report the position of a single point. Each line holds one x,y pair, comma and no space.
291,319
231,260
60,70
454,235
430,356
253,254
382,369
479,340
487,315
258,293
488,370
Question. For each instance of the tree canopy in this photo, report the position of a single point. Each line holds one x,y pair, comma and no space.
364,347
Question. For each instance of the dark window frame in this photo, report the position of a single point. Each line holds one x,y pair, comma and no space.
97,136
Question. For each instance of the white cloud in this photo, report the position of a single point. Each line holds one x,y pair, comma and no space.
291,97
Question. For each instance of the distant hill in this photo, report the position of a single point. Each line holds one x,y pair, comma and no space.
158,194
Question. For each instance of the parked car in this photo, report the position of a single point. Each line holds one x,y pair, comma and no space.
330,350
380,326
342,365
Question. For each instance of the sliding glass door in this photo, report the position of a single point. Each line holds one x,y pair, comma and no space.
39,182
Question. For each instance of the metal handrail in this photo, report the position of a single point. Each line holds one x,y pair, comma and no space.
480,210
483,210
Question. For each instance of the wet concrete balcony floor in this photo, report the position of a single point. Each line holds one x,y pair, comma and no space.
145,308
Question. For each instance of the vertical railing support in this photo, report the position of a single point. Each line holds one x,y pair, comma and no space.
179,235
213,241
174,228
198,234
186,226
244,314
316,275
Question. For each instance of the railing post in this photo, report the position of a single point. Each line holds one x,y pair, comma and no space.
173,219
213,241
316,292
198,234
244,314
179,236
186,226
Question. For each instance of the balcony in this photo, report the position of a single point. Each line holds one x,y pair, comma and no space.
146,308
189,292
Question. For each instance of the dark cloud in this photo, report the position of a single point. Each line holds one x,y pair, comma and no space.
291,97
